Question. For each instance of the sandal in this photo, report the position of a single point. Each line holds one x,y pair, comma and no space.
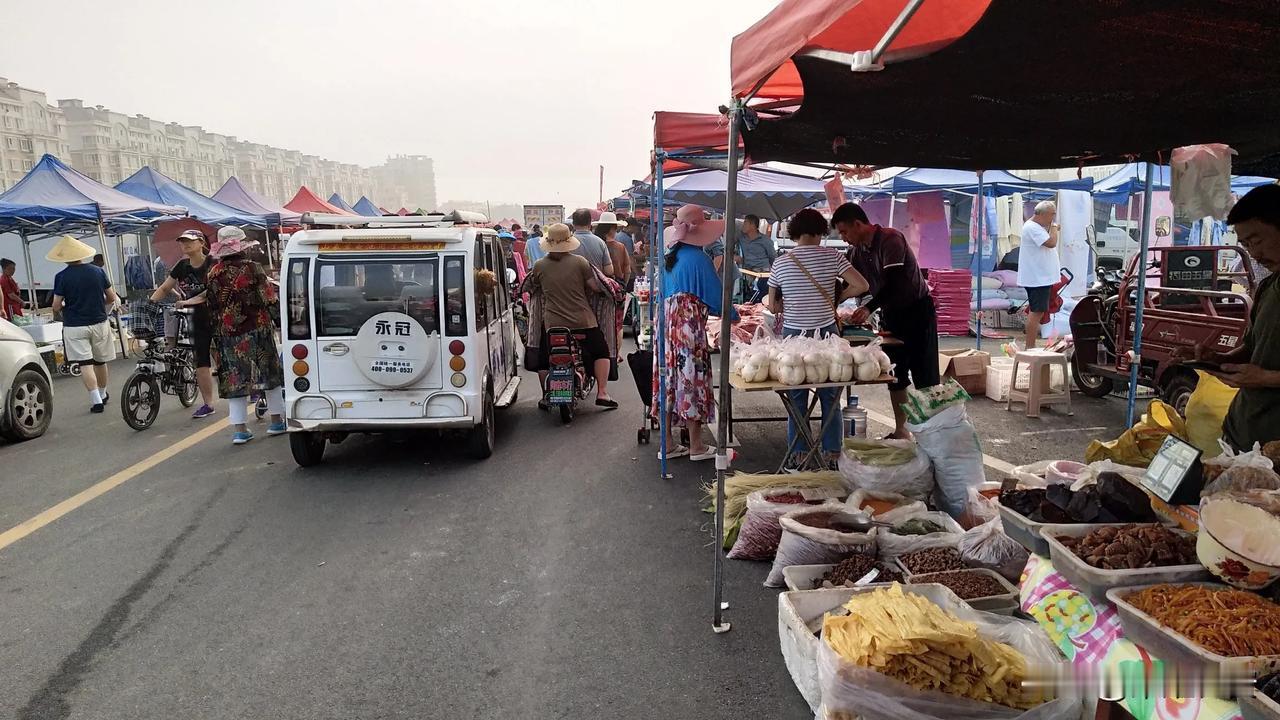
709,453
675,452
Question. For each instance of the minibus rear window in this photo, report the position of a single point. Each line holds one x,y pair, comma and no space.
455,295
351,292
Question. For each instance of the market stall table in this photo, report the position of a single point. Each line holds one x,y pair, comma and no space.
813,457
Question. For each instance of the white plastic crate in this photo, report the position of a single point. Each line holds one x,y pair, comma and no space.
1001,368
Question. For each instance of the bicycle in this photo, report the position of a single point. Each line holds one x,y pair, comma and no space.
161,370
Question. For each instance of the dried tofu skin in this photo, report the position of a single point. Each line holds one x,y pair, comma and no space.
910,639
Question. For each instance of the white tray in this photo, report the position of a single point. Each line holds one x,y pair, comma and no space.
1174,648
1094,582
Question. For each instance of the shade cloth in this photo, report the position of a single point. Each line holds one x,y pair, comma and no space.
994,182
234,193
152,186
1129,180
1115,81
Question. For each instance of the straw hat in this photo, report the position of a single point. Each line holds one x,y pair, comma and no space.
559,239
691,227
608,218
231,241
70,250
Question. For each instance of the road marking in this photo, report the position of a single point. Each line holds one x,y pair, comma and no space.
25,528
994,463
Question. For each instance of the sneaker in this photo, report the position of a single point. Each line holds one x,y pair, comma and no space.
277,428
241,438
202,412
96,408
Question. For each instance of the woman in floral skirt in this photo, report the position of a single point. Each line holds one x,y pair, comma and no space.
693,293
244,341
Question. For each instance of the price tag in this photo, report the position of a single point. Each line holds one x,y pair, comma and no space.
866,579
1175,475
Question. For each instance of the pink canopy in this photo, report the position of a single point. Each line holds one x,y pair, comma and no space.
308,202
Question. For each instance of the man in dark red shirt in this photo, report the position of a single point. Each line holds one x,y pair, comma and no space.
10,294
899,292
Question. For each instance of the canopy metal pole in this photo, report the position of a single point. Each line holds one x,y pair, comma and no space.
893,205
982,244
31,274
658,290
1143,243
892,33
106,258
723,456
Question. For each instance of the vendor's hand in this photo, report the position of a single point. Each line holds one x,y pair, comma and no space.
1248,376
860,316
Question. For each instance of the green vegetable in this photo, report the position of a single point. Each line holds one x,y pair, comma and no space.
918,526
878,454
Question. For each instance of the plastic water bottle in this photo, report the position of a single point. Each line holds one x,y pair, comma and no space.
855,419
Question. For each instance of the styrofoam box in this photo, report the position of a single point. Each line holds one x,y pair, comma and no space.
800,614
1259,707
1095,582
46,333
1003,604
998,378
802,577
1176,649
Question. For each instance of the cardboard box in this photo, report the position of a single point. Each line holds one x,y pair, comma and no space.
968,367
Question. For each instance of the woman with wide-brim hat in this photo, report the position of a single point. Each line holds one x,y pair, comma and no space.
244,344
693,294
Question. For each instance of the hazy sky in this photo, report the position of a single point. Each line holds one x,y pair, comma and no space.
515,101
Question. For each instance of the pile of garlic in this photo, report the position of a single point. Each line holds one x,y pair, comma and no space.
803,360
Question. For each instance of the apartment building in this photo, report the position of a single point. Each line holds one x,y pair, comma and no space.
29,128
110,146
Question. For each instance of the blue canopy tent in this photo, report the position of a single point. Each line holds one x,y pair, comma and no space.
152,186
234,193
770,194
54,199
366,208
994,183
337,201
1122,184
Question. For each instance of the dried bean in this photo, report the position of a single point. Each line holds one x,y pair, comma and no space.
966,584
933,560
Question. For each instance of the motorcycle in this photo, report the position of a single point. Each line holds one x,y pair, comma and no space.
568,381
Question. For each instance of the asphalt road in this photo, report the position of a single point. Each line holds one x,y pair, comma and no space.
562,578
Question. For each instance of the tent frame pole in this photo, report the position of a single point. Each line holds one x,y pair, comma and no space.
31,273
106,257
724,456
1135,363
981,199
658,292
891,34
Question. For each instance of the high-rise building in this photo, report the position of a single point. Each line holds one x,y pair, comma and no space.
110,146
29,128
406,181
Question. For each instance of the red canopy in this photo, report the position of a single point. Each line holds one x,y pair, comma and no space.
308,202
689,134
403,211
763,53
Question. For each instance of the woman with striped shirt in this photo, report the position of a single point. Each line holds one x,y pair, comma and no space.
803,287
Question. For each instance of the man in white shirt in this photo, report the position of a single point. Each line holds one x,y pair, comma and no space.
1038,266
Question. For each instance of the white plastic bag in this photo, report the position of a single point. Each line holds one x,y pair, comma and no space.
987,546
761,524
1250,470
951,443
858,502
892,546
803,544
913,479
852,691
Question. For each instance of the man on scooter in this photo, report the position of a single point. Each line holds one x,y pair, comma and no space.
562,283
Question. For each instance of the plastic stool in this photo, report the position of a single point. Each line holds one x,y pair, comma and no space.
1039,390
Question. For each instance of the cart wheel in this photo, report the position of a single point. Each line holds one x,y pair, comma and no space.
260,408
74,369
642,436
566,413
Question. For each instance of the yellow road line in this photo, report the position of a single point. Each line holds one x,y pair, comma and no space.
994,463
25,528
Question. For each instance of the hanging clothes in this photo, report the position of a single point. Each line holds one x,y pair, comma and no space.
1075,216
928,233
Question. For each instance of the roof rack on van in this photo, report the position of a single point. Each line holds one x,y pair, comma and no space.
457,217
